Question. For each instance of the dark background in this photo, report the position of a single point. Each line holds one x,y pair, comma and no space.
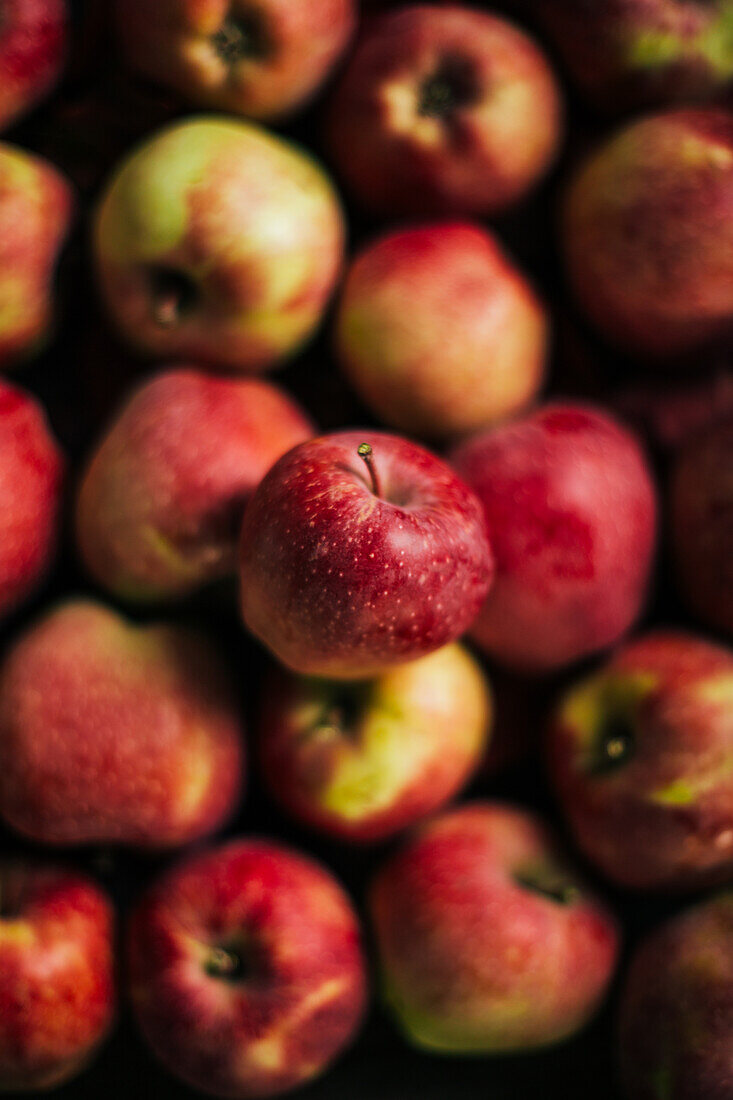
98,112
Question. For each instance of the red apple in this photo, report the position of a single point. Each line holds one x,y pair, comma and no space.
246,969
35,212
32,50
439,332
218,242
361,761
261,59
361,550
640,756
487,942
570,508
444,109
676,1015
162,498
113,733
56,974
31,472
648,234
702,524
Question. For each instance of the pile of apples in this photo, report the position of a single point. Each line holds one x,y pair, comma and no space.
481,537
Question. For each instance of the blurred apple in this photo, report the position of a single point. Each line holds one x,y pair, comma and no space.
33,43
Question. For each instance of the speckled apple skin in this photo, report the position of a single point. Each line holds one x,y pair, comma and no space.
628,54
161,501
250,219
111,733
339,582
571,514
302,44
57,992
486,155
33,39
31,475
35,212
439,332
472,960
701,515
664,818
648,234
304,998
416,735
676,1010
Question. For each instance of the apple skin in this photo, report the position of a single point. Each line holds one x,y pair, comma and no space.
162,498
342,582
113,733
57,996
639,754
571,514
266,63
362,761
628,54
33,41
444,110
31,476
702,524
668,414
439,333
648,235
487,942
35,213
218,242
246,969
676,1010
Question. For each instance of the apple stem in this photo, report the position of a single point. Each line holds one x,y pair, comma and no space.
365,451
223,963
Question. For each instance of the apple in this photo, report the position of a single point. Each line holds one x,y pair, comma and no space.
263,58
31,475
648,234
33,36
439,333
627,54
668,414
218,242
487,941
114,733
676,1012
361,550
444,109
35,213
246,969
702,524
640,757
56,974
571,514
361,761
162,498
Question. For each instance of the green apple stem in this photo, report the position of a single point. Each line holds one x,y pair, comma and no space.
365,451
225,963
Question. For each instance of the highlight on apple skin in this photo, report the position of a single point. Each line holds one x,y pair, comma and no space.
647,235
362,761
246,969
161,500
33,46
264,60
115,733
218,242
676,1011
639,754
443,109
439,332
31,477
361,550
35,213
57,984
487,942
570,508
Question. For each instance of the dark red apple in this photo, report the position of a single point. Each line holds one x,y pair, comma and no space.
32,50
